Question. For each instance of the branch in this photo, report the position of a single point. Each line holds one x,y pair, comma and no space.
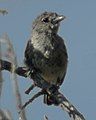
60,100
31,100
71,110
10,67
45,117
30,88
24,72
57,98
1,78
5,115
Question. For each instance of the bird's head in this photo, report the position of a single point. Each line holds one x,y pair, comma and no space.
48,22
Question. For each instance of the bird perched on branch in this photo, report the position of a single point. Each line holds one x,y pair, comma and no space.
46,51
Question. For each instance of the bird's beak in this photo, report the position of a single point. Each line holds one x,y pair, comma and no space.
59,18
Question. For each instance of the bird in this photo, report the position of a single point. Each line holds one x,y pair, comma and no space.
46,51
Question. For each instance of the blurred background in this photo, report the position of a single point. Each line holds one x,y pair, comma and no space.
79,33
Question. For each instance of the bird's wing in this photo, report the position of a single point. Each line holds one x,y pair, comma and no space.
29,54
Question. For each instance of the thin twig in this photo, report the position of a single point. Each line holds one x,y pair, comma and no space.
45,117
5,115
33,98
71,110
30,88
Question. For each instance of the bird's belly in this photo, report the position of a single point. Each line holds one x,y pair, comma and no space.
52,76
53,68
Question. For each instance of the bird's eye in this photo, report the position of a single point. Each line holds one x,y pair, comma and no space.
46,20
